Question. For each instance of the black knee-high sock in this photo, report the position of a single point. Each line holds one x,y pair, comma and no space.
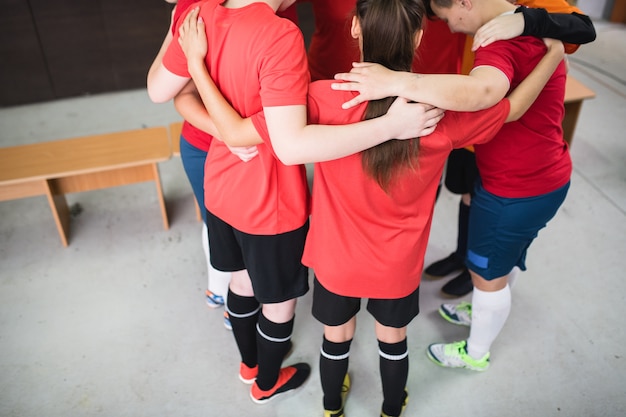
461,239
244,314
394,371
334,358
273,343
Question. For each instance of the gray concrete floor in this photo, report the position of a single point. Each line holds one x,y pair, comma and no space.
116,324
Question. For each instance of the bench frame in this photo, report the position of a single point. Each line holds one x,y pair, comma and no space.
88,163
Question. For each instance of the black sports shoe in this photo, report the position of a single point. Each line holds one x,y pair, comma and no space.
289,378
459,285
445,266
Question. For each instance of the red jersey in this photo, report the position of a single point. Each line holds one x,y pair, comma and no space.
332,48
441,51
527,157
362,241
257,60
192,134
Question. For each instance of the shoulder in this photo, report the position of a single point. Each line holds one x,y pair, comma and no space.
324,104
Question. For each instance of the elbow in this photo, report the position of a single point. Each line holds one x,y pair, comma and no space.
156,97
287,158
486,98
590,33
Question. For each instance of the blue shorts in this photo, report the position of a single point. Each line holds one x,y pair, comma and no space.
502,229
193,163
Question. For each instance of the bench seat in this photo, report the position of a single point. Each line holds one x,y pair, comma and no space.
59,167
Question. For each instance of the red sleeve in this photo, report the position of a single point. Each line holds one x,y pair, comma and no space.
499,56
180,8
471,128
284,72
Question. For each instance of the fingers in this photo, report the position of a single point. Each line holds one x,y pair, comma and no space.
354,102
426,131
246,153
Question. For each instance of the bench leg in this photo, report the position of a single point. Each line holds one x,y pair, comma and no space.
60,211
572,110
159,187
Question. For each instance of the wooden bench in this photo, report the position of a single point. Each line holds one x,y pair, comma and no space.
175,130
56,168
575,93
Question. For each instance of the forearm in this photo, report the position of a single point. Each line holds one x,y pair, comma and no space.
454,92
571,28
527,92
296,143
190,106
233,129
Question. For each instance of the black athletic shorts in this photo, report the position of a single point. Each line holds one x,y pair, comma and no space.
273,261
331,309
461,172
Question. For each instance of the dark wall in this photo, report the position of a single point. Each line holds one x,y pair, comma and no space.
51,49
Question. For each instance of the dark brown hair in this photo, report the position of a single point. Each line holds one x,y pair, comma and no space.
446,4
388,29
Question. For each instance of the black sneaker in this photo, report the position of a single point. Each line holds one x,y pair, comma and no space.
459,285
289,378
445,266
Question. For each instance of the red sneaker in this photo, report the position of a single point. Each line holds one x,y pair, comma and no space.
246,374
289,378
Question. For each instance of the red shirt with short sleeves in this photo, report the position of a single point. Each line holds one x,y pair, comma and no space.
256,59
363,242
332,48
528,157
440,51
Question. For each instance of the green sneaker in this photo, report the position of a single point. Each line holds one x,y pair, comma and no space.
405,401
454,355
460,314
345,388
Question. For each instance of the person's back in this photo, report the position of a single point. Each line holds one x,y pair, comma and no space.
254,59
528,157
392,225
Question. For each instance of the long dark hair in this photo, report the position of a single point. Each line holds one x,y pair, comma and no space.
388,29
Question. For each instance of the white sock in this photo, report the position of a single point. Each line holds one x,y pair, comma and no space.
490,311
513,276
217,281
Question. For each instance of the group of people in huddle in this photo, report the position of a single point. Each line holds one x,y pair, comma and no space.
378,104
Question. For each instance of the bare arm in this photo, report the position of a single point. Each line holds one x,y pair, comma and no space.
162,84
189,105
526,93
573,28
293,140
483,88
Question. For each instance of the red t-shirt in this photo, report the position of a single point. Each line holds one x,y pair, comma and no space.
196,137
527,157
363,242
441,51
332,48
257,60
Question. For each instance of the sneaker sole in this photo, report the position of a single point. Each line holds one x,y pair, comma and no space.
213,304
251,381
449,319
303,377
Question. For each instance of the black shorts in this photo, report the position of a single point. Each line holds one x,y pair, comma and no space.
273,261
331,309
461,172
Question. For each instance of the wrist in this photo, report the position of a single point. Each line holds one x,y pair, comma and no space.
195,65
